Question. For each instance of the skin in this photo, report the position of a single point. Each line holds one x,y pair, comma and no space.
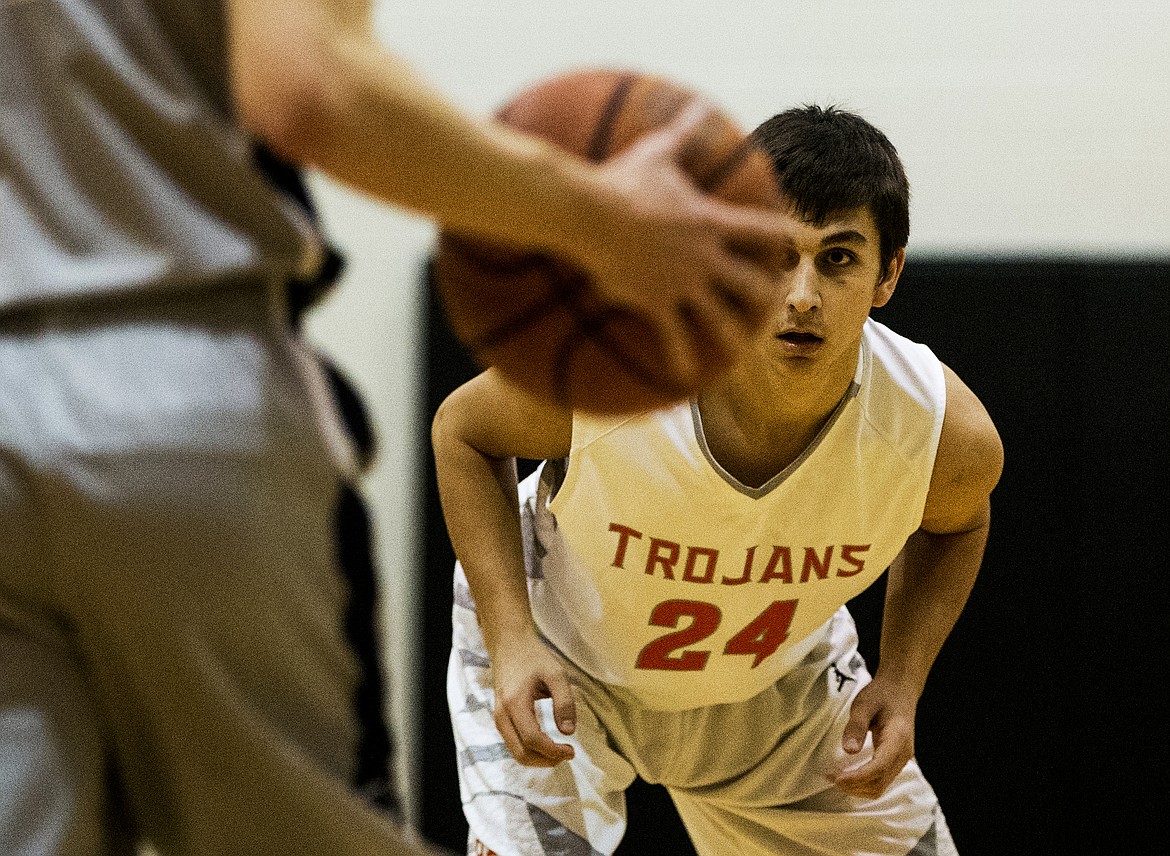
758,419
312,80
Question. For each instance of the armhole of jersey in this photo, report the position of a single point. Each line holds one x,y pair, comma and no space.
562,473
932,364
552,479
942,410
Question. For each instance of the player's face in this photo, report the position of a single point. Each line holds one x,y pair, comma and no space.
831,276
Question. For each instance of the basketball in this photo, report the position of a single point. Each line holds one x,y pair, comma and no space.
535,317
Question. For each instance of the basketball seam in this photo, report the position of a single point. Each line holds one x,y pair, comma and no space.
514,325
603,132
471,252
711,182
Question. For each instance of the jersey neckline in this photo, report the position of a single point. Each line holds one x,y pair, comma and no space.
772,483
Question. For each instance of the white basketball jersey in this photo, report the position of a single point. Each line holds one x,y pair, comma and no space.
655,570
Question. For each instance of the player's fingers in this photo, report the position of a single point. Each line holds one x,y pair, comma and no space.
861,716
745,287
679,362
533,738
751,231
868,781
676,134
710,322
523,754
854,736
508,733
515,718
564,707
872,778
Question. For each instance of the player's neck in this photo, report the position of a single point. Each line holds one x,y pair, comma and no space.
768,394
757,425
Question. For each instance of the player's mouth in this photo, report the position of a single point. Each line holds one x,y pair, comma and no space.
800,342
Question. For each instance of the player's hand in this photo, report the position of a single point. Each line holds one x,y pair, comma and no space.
888,713
524,671
684,261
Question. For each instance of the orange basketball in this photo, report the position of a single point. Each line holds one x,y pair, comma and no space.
536,318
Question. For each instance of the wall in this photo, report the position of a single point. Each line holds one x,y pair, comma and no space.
1033,136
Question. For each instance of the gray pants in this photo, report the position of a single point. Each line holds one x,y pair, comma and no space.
174,655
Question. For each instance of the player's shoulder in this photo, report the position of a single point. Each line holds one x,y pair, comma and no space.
967,431
968,427
908,362
502,420
970,457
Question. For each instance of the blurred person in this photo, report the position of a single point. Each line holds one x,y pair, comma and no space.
187,643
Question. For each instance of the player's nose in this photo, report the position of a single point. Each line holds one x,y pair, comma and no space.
803,289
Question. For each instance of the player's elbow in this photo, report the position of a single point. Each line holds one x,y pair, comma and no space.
296,118
293,99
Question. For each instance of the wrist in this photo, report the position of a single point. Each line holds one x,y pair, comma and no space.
503,636
901,678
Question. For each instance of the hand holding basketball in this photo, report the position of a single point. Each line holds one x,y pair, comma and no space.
649,174
661,297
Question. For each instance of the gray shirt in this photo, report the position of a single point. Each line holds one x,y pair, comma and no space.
122,169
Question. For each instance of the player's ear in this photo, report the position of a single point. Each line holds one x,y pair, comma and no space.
884,290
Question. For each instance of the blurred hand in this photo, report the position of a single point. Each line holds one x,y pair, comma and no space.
680,258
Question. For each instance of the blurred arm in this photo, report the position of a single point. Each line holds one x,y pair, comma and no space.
311,79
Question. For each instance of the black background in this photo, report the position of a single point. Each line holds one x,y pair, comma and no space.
1036,727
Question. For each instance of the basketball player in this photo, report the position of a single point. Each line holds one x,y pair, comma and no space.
181,656
669,600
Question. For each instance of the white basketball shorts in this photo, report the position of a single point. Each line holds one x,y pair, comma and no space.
748,779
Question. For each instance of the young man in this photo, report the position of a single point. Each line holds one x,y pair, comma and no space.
669,592
183,656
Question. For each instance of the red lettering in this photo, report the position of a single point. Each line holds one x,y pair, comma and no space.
760,639
779,554
847,554
765,633
747,569
712,557
816,564
625,533
702,562
667,561
704,621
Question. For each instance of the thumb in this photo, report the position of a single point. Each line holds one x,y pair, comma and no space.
686,124
860,717
564,707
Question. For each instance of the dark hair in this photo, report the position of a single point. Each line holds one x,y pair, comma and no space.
829,160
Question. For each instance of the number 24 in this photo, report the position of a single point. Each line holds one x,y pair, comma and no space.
761,636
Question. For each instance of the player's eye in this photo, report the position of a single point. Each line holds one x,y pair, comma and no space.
838,257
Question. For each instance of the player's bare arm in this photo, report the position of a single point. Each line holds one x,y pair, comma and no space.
314,82
477,434
927,588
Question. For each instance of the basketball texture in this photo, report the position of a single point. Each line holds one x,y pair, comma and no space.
535,317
